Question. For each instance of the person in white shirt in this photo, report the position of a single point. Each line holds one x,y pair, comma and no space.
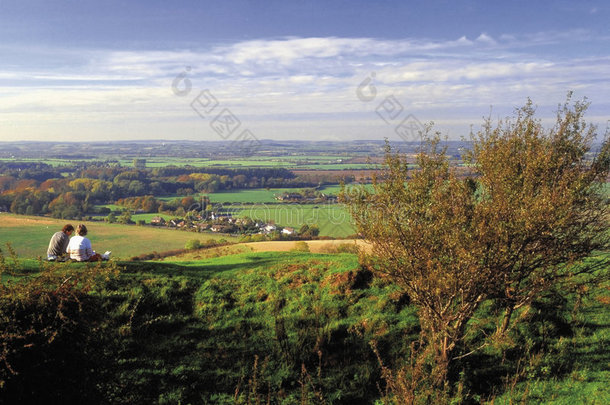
80,248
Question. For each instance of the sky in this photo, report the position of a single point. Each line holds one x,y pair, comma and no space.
335,70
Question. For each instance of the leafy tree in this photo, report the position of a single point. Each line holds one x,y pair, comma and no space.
522,223
193,244
111,218
125,218
541,202
309,232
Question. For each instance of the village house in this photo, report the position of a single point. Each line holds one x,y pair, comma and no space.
203,226
290,197
222,216
158,221
288,231
269,228
220,228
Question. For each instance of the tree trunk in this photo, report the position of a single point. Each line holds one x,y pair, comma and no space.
441,368
508,312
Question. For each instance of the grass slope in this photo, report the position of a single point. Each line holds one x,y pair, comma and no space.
295,327
30,236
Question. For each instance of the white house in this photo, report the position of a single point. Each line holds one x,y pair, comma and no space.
269,228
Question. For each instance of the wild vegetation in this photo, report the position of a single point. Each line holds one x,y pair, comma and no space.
524,224
279,328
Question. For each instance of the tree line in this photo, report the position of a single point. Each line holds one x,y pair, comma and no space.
72,190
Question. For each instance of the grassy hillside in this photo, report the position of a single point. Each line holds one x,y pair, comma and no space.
30,236
204,331
293,328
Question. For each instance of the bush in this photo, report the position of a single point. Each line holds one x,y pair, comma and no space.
51,334
193,244
300,246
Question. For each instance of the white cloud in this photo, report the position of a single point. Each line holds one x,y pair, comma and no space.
309,81
486,39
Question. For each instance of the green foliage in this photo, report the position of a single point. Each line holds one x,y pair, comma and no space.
193,244
125,218
111,218
50,345
518,228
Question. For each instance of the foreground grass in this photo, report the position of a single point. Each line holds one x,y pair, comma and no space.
294,327
587,380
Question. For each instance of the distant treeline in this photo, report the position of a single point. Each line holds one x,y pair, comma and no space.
71,191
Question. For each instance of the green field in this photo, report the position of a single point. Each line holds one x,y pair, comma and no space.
147,217
320,162
250,195
30,236
332,219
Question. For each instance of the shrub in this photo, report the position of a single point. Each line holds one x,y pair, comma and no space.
300,246
51,340
193,244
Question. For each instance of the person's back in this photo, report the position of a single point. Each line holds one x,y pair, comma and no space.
59,243
80,248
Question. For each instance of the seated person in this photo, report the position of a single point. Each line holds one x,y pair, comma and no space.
59,243
80,249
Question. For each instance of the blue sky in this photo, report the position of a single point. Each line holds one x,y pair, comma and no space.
103,70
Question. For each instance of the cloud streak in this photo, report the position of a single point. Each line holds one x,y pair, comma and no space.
284,86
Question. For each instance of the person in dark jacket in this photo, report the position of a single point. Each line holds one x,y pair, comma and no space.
59,243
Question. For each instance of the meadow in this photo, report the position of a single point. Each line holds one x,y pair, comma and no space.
332,219
30,236
263,195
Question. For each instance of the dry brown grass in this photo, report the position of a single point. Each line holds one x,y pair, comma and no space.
315,246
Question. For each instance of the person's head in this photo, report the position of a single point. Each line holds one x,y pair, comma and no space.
81,230
67,229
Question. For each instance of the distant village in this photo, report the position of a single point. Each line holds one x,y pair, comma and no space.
226,223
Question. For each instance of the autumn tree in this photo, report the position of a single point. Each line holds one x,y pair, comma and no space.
522,221
541,204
